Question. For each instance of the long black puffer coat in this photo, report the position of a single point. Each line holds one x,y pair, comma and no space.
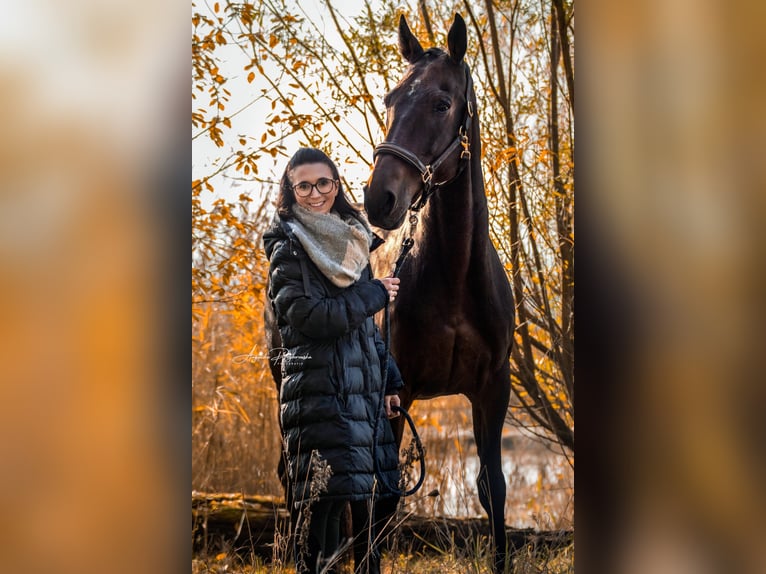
331,373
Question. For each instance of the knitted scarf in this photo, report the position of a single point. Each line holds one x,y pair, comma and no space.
340,248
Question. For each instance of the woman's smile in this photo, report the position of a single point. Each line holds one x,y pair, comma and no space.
317,204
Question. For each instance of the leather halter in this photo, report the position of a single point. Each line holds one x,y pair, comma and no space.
427,171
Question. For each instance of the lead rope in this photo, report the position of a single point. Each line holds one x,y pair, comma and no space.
407,244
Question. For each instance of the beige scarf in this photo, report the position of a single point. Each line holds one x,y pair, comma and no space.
340,248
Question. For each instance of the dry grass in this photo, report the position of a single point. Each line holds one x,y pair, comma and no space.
235,426
559,561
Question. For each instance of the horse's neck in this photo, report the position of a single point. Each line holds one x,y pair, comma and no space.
454,227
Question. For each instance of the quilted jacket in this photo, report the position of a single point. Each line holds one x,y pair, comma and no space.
331,358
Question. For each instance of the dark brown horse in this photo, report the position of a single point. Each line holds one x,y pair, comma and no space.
451,327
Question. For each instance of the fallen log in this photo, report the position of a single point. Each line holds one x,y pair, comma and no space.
420,534
250,524
240,522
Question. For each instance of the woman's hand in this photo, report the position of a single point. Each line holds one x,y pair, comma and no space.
392,286
391,401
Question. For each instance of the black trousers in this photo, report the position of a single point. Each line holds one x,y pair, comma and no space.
318,537
366,554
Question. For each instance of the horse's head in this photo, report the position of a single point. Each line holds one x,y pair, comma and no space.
427,125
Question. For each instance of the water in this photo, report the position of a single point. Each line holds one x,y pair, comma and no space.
539,483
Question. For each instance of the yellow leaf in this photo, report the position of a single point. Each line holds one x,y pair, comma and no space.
272,41
222,555
216,7
250,77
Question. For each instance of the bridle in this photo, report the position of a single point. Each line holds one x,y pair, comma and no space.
427,171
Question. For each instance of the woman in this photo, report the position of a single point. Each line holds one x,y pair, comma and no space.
324,298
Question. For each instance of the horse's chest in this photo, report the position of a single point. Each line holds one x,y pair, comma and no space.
439,351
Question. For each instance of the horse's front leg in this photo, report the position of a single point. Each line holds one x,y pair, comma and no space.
489,410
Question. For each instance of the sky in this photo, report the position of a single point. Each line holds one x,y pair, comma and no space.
250,121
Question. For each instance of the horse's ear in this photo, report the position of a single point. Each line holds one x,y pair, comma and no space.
456,39
408,43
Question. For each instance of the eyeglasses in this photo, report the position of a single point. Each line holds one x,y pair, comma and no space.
323,185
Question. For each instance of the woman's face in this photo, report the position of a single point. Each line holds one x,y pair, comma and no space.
307,181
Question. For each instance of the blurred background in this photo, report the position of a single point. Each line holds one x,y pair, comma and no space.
96,211
94,249
670,271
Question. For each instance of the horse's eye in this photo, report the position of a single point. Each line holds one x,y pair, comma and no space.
442,106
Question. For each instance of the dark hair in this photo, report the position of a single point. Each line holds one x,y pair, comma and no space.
286,197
